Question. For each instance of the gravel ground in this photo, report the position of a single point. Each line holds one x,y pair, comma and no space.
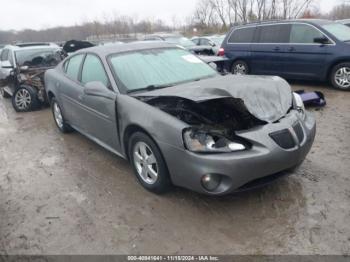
63,194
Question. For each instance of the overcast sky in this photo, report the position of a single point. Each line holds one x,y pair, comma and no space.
39,14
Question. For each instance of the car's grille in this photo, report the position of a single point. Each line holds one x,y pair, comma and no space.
299,132
283,138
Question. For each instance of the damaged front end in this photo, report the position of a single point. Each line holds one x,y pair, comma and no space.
214,123
34,77
217,109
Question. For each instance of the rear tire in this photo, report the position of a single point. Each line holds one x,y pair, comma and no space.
59,118
340,76
148,164
240,67
25,99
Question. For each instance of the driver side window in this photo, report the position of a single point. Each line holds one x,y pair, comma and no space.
93,70
304,34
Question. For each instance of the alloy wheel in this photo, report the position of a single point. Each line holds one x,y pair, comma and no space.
58,115
240,69
145,163
342,77
23,99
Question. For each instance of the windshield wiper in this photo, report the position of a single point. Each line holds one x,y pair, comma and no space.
149,88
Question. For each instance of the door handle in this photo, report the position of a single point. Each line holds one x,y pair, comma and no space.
80,97
276,48
291,49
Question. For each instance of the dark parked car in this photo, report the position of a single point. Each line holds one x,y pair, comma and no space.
298,49
22,69
177,120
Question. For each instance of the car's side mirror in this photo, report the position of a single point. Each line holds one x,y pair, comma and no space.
97,88
213,44
322,40
6,64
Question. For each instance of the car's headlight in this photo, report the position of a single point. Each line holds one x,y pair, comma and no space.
298,104
204,142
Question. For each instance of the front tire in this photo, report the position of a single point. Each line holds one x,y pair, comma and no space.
240,67
25,99
148,163
340,76
59,118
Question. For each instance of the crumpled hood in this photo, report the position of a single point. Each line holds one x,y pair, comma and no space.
268,98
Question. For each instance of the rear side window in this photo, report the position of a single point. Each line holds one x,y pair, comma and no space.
278,33
73,67
93,70
242,35
304,34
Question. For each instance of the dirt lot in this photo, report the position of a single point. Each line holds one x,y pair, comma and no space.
62,194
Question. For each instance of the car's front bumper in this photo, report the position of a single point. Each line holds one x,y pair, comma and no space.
265,158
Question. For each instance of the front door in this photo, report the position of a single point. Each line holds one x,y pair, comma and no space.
305,56
99,119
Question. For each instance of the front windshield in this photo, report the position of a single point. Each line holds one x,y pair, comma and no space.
182,41
158,67
38,57
340,31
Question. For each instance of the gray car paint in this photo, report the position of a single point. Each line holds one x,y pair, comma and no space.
186,168
267,98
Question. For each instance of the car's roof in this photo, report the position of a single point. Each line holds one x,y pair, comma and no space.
128,47
309,21
208,36
30,46
344,21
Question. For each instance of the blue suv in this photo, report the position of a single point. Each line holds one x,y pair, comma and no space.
293,49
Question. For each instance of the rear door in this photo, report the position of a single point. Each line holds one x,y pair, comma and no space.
305,57
71,91
269,51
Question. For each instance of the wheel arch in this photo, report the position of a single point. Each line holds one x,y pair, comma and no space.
128,132
335,63
50,95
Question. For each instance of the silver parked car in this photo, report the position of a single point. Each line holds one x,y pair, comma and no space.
177,120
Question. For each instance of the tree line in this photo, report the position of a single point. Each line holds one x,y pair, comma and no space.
209,16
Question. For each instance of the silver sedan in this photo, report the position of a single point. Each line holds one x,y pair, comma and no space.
177,120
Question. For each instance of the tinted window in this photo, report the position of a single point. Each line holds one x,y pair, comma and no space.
38,57
196,41
93,70
304,34
4,55
243,35
274,33
205,41
74,66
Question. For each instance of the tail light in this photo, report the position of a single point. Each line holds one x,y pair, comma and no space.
221,52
